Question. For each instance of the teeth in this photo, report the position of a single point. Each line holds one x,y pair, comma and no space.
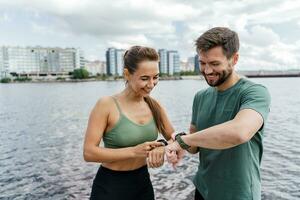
211,75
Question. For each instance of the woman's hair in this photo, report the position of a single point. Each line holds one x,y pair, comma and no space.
136,55
132,58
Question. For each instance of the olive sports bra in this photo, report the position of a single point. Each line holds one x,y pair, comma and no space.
127,133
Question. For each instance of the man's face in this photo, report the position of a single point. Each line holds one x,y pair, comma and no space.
215,67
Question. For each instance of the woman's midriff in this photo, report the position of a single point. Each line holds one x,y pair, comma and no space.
126,165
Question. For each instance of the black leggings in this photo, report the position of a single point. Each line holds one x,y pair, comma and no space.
122,185
198,196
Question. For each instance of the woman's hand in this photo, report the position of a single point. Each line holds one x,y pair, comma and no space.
156,157
142,150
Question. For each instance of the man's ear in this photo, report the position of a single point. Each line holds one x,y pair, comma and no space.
235,58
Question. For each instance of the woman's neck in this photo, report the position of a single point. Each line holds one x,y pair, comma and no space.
130,95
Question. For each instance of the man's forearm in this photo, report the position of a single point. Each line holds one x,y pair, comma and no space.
221,136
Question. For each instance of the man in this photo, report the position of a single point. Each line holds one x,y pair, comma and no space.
228,121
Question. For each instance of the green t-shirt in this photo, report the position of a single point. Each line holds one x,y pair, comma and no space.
234,173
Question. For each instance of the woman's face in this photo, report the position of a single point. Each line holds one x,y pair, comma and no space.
145,78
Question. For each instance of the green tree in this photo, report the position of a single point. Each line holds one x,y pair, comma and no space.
80,73
5,80
22,79
188,73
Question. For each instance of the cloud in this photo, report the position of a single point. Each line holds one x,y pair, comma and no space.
4,18
260,36
96,25
277,12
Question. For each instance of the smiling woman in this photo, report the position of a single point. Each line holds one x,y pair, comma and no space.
129,123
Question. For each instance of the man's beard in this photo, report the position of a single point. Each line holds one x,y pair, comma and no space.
223,76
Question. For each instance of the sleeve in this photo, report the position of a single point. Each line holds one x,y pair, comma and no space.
257,98
194,109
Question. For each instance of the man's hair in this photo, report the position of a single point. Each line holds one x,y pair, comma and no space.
219,37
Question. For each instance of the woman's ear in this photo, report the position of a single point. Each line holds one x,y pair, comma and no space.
126,74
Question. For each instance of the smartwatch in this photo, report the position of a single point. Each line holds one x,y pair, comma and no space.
180,141
163,141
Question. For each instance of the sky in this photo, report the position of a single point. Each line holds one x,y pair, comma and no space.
269,30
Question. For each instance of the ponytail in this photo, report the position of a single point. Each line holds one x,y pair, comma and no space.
156,112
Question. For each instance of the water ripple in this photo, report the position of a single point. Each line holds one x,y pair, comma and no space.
42,135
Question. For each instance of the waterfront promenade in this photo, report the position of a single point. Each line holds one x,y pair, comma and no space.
248,74
266,74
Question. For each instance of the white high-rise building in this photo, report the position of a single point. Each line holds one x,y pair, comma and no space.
114,61
173,62
4,70
120,61
96,67
163,62
190,64
39,60
169,62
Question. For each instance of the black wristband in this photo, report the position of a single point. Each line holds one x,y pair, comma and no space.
163,141
180,134
181,143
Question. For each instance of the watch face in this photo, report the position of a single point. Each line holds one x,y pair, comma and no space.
163,141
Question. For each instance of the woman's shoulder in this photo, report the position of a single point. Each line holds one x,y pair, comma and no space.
104,102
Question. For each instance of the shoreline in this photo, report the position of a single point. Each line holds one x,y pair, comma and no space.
185,77
109,79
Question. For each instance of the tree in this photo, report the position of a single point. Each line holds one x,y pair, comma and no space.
80,73
5,80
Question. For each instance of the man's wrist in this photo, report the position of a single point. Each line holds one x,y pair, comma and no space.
174,135
181,143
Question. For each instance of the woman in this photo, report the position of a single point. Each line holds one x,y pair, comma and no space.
128,123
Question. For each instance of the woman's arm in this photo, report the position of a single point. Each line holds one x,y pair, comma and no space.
156,156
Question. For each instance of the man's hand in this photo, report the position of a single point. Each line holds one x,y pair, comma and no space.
174,153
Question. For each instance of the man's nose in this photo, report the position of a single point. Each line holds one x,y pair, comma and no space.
207,69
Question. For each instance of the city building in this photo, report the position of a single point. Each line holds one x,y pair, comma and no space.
190,64
39,61
4,68
114,61
163,61
96,67
196,65
183,66
173,62
169,62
